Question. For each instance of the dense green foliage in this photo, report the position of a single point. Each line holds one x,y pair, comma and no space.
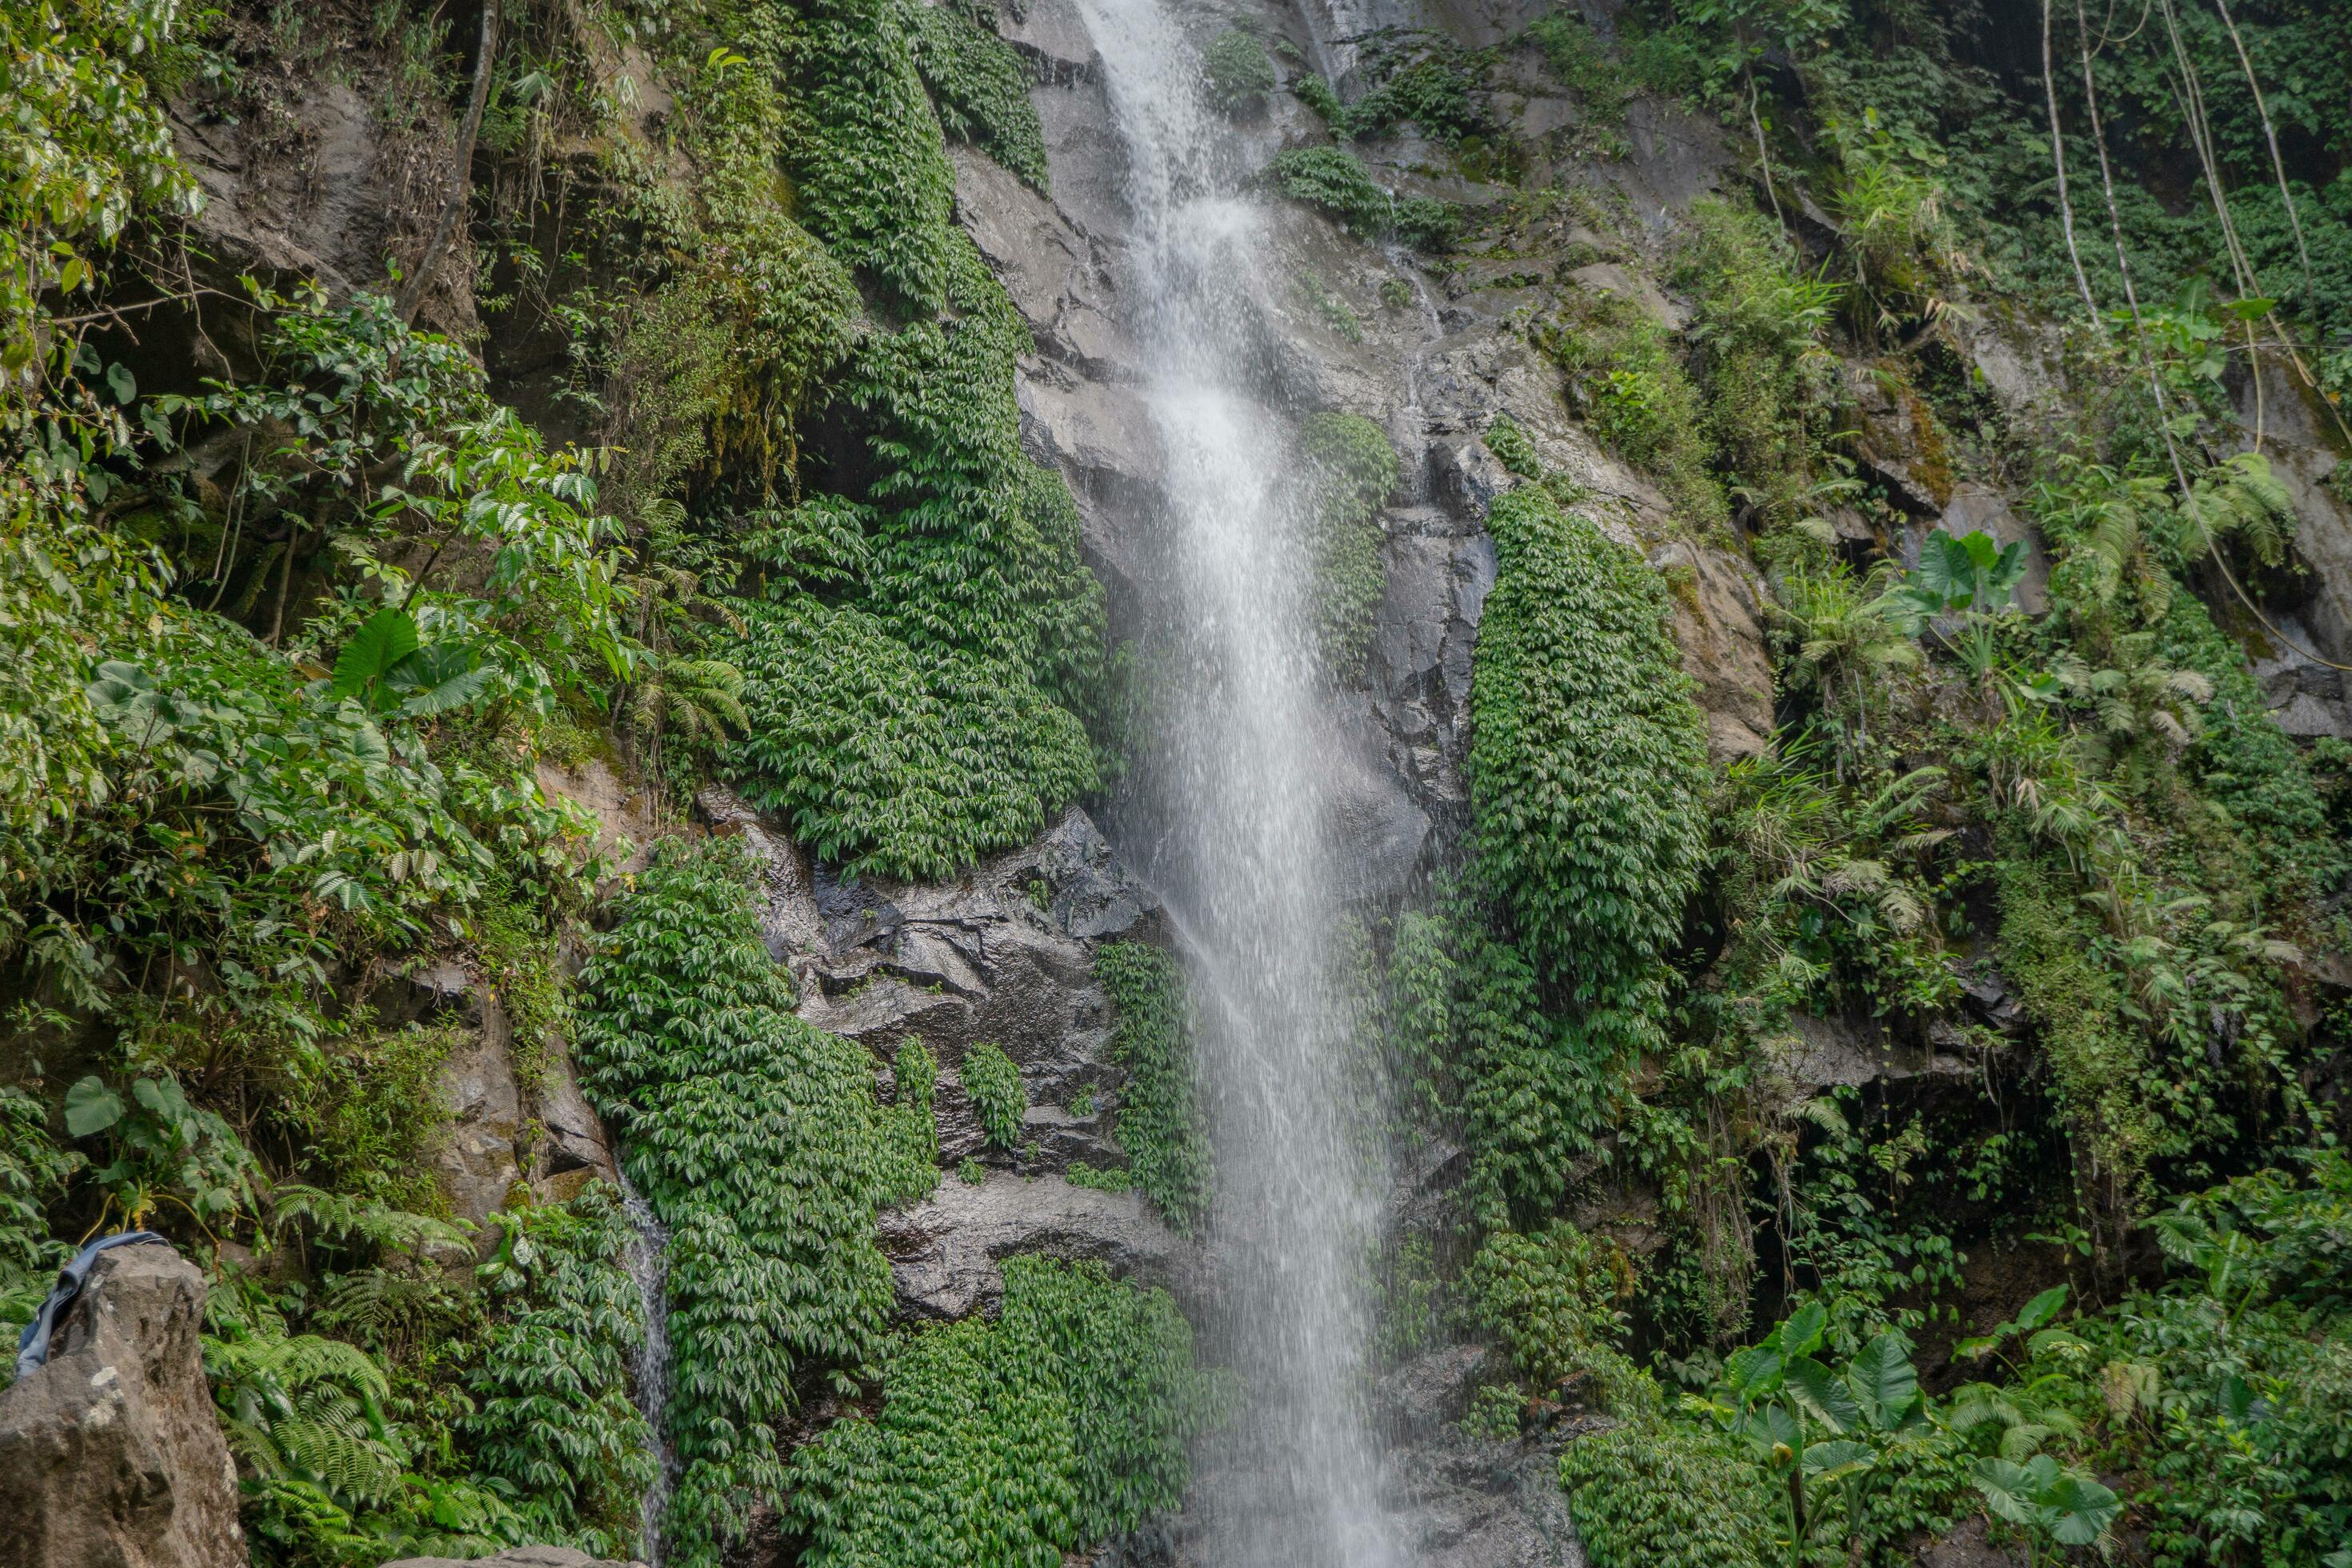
2069,846
1657,1493
1353,470
758,1142
980,86
993,1083
1064,1421
1588,759
289,650
1335,182
1161,1122
890,760
552,1416
297,610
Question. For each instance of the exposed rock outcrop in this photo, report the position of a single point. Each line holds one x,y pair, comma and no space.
1003,955
944,1251
520,1557
511,1129
110,1455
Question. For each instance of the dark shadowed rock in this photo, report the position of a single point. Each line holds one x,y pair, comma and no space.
1431,1390
1003,955
110,1456
1968,1545
1827,1053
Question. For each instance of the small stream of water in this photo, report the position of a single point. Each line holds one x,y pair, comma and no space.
647,1261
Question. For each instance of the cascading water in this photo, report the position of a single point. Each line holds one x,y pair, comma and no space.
647,1259
1236,778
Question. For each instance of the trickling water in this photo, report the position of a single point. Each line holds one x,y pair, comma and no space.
1410,426
647,1259
1238,781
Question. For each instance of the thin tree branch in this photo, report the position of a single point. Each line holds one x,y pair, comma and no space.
2058,155
461,190
2278,164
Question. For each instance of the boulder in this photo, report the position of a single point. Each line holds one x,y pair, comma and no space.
520,1557
944,1251
110,1455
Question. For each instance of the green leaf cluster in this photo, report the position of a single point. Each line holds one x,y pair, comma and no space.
887,759
1160,1123
552,1416
1064,1421
1587,760
1551,1299
993,1083
1652,1492
1335,182
1352,471
980,86
759,1143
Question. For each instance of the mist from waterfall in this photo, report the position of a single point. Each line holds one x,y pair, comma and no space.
1237,776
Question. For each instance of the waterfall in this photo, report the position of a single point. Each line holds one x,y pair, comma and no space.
1236,782
647,1261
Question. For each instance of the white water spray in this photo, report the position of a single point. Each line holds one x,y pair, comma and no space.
1238,776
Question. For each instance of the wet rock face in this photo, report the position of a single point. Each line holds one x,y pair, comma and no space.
1003,956
1434,362
110,1456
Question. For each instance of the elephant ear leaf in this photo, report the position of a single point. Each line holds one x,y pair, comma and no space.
1946,571
2078,1511
441,675
1801,1334
1754,1372
383,640
2006,573
454,692
91,1107
1884,1382
2038,1313
1822,1395
1836,1459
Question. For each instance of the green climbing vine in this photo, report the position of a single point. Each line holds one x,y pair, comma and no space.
993,1083
1060,1424
759,1143
1353,469
552,1416
1160,1123
1588,761
980,86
